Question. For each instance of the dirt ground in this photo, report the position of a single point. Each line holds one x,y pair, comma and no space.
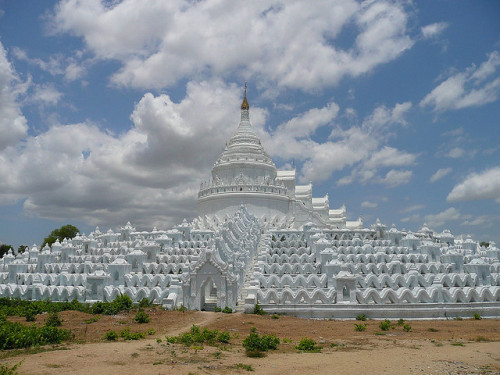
431,347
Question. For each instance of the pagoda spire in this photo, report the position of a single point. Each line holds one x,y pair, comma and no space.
244,104
245,116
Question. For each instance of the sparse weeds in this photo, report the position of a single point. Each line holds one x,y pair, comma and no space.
258,310
360,327
476,316
361,317
243,367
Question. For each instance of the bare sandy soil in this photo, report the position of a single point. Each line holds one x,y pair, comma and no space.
431,347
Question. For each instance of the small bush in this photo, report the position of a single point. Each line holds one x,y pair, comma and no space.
227,310
256,345
111,336
401,322
181,308
361,317
385,325
151,331
143,303
53,320
275,316
360,327
94,319
141,317
224,337
258,310
406,327
127,335
308,345
217,309
476,316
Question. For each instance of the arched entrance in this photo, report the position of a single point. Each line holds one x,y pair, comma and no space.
208,295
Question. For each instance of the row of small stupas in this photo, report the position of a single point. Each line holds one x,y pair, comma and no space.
260,238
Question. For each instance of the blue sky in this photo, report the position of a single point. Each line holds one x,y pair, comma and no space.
116,110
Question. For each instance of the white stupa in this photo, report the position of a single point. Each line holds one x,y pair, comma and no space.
261,238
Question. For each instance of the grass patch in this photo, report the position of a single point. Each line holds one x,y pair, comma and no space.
457,343
432,329
244,367
16,335
482,339
197,335
94,319
361,317
258,310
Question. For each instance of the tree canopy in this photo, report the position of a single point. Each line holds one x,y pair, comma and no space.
4,249
66,231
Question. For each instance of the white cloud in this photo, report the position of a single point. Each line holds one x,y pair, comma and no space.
477,186
46,94
468,88
290,43
368,204
80,171
440,173
415,207
13,125
438,220
433,30
395,178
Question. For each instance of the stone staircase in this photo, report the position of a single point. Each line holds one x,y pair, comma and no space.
248,279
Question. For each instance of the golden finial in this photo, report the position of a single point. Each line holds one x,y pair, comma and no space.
244,104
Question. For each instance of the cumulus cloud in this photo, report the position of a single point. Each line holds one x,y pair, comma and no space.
433,30
478,186
13,125
150,174
396,177
46,94
443,217
474,87
292,44
440,173
415,207
368,204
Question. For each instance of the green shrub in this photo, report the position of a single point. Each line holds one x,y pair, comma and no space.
275,316
53,320
360,327
385,325
361,317
15,335
476,316
141,317
217,309
308,345
151,331
94,319
227,310
143,303
181,308
258,310
256,345
407,327
127,335
111,336
401,322
224,337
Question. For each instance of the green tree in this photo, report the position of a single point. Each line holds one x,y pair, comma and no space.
66,231
22,249
4,249
484,244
